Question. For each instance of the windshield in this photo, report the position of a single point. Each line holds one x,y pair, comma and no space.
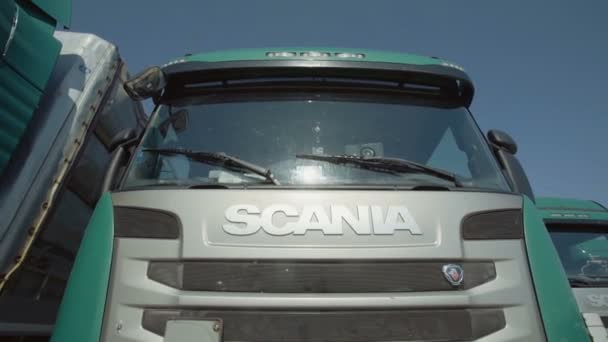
583,251
275,131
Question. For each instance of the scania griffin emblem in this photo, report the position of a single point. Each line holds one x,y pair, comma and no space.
453,273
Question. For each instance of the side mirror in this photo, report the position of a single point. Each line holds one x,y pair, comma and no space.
504,149
502,140
148,83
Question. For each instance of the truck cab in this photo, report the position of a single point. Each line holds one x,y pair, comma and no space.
579,230
306,194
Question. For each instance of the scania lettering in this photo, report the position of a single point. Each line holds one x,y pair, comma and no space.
315,218
285,195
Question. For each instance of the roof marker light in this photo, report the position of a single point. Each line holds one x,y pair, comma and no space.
315,54
281,54
452,65
181,60
349,55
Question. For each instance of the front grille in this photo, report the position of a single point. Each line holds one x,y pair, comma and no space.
315,276
605,321
339,326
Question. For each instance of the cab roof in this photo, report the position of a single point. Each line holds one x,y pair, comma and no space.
564,209
427,76
316,53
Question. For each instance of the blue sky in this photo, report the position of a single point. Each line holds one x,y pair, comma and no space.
540,68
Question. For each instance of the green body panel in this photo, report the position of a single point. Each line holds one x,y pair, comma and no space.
578,212
568,203
81,313
28,52
260,54
60,10
17,100
559,311
31,42
570,209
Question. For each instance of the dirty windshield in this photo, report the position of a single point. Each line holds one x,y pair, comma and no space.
582,250
280,132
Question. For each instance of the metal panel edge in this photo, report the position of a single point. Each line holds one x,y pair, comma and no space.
60,10
81,311
560,314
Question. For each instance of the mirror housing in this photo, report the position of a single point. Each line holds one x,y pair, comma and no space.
504,148
148,83
502,140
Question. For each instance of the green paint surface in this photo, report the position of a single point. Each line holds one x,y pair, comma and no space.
81,312
260,54
33,50
60,10
560,313
18,98
28,52
572,203
570,209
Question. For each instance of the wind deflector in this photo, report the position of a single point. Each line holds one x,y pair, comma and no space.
434,81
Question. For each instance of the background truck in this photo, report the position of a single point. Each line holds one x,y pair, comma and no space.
62,108
315,195
579,230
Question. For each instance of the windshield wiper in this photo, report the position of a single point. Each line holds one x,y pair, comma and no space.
220,159
576,281
382,164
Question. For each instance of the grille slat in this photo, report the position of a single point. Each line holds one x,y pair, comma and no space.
339,326
315,277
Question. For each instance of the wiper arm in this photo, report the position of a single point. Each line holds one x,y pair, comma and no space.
383,164
218,158
576,281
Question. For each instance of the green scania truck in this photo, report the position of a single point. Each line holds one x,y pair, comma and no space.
314,194
579,230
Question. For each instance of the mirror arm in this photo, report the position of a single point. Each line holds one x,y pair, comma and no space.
120,157
514,172
504,149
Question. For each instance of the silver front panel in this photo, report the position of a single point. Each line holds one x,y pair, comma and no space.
429,231
593,301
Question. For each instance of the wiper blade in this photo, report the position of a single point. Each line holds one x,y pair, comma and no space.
584,282
220,159
382,164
